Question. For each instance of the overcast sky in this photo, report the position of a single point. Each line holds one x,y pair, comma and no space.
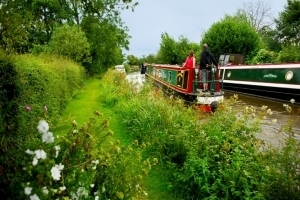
189,18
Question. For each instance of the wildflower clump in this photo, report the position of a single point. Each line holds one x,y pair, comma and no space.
84,163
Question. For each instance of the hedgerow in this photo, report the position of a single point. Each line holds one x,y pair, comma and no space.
31,88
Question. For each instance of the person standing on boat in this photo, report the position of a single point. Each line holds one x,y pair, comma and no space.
190,61
206,62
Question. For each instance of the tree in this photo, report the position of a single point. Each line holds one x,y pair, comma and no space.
288,23
106,40
258,14
27,24
151,58
167,50
13,22
232,36
175,52
132,60
70,41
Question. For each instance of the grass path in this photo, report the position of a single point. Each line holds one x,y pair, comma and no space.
82,106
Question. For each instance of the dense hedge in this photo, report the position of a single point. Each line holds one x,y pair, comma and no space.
31,88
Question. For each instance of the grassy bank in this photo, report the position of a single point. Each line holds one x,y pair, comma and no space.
81,108
119,142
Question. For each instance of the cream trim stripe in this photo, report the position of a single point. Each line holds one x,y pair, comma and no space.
286,66
277,85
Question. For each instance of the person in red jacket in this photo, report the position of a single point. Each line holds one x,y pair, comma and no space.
190,61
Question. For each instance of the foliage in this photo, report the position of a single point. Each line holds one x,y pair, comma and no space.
29,90
29,24
207,159
270,40
264,56
132,60
80,165
70,41
151,58
105,48
175,52
232,36
127,68
288,24
289,53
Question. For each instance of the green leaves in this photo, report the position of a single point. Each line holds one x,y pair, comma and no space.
232,36
288,24
70,41
175,52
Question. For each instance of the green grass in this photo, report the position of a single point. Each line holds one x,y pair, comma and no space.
82,106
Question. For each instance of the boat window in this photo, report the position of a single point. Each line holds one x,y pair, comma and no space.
170,76
226,59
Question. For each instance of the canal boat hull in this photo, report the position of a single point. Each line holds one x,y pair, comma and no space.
185,83
275,81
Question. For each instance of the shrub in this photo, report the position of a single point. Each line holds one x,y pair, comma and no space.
289,54
264,56
32,87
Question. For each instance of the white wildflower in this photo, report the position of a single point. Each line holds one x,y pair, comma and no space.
145,193
28,190
47,137
34,161
62,188
34,197
94,168
92,185
43,126
29,152
292,101
55,171
45,190
57,148
75,131
96,162
82,192
60,166
96,197
40,154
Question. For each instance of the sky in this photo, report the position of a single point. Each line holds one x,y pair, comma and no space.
189,18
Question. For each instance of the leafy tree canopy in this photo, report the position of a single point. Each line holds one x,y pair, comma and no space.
31,23
231,36
175,52
132,60
288,23
69,41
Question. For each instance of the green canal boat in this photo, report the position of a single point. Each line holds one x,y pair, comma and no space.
276,81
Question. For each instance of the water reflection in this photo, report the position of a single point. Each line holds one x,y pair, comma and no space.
271,133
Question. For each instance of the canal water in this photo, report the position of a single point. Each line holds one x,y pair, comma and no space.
271,132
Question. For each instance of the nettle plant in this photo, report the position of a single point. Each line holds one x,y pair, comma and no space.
83,164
